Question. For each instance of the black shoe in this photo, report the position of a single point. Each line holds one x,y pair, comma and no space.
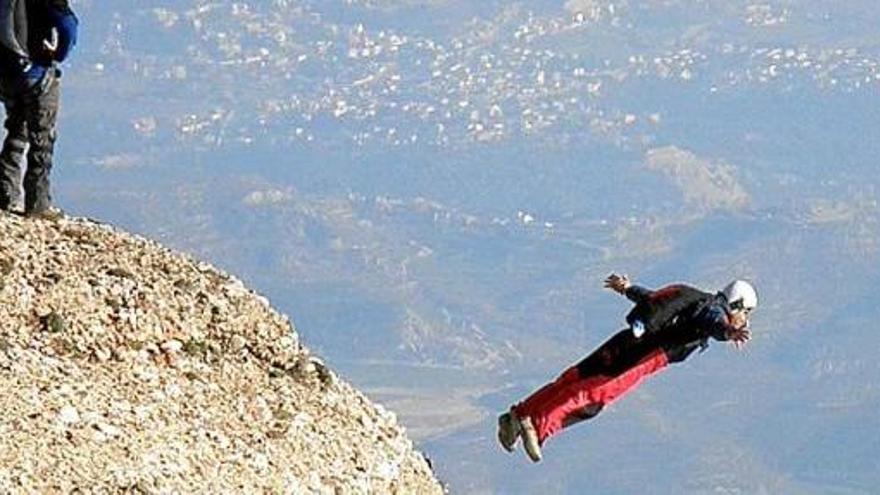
50,214
508,431
18,212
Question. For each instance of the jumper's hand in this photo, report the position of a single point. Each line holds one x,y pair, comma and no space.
739,337
617,283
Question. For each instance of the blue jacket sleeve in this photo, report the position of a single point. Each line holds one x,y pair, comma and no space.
713,319
637,293
67,24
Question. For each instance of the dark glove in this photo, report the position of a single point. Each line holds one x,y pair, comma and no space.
35,72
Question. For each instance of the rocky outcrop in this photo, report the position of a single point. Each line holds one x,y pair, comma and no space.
127,367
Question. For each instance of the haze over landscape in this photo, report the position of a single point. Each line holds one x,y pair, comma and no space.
434,190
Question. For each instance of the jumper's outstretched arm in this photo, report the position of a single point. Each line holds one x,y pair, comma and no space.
622,285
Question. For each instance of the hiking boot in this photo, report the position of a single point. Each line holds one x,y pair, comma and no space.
508,431
15,208
50,214
530,439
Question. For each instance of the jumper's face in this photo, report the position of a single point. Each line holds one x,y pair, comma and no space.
739,318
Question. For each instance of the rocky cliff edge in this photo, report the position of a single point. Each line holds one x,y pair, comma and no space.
125,366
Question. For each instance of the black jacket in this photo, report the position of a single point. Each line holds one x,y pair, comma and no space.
687,328
25,27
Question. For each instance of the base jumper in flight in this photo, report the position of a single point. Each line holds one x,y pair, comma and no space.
665,326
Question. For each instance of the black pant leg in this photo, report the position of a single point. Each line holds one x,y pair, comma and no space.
42,107
12,157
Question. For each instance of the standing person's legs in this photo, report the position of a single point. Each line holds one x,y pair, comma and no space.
41,115
12,158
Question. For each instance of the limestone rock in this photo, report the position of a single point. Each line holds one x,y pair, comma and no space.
128,367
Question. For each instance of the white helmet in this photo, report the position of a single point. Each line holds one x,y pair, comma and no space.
741,295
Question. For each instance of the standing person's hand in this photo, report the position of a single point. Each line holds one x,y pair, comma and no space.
50,45
617,283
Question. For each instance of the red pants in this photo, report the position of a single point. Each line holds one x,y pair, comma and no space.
558,403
